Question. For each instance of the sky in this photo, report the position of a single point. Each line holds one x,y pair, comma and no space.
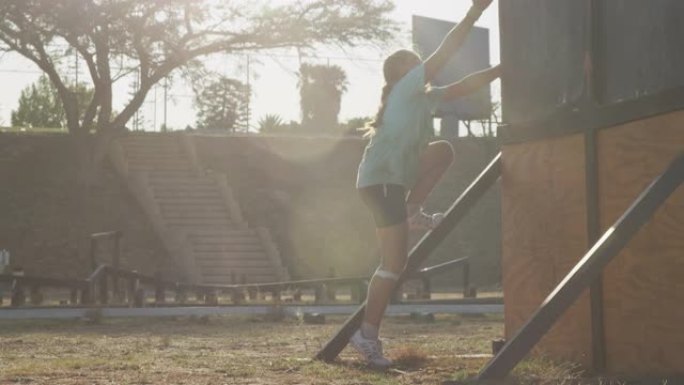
272,75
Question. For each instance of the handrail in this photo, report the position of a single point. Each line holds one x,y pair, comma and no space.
97,274
44,281
442,267
421,251
586,271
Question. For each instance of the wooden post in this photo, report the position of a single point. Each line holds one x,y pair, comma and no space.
159,290
211,298
73,296
139,299
181,295
116,262
87,295
427,288
93,259
104,289
159,293
319,294
297,295
237,296
253,294
275,295
466,280
35,296
18,295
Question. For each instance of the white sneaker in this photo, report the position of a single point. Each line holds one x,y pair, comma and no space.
370,350
422,221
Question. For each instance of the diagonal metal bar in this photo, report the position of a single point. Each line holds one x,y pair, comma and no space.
421,251
586,271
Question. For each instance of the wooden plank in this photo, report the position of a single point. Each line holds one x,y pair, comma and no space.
421,251
586,271
643,292
543,237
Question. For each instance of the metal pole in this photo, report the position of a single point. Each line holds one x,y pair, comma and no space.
166,90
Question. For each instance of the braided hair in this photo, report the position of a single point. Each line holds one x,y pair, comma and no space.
392,70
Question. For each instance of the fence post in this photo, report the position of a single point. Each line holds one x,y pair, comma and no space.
427,288
93,262
319,293
181,295
73,296
466,280
18,295
159,290
104,289
35,296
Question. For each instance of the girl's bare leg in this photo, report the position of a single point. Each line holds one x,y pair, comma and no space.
434,162
394,251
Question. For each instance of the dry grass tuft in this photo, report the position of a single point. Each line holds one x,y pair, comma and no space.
409,357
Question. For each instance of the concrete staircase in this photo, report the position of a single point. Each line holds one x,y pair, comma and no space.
194,214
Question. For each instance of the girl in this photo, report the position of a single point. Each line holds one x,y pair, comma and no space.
400,158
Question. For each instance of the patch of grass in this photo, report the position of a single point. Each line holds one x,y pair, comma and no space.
237,350
409,357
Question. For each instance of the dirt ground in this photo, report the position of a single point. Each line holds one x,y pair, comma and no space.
248,350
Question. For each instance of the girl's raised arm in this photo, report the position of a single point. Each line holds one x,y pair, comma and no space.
454,40
471,83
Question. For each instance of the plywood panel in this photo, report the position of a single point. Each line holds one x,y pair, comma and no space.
643,290
544,235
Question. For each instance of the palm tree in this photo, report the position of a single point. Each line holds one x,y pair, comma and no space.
321,88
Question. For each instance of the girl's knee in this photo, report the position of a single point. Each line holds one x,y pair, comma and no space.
445,151
393,265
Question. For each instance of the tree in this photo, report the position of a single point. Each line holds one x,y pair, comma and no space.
157,37
271,124
223,104
40,105
320,89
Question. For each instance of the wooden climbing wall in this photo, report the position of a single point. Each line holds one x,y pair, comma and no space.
644,285
544,235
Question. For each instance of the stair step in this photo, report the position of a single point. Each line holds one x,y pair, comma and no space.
183,183
159,167
235,256
248,271
186,189
232,264
224,233
226,280
188,201
152,149
181,208
228,247
186,193
173,173
219,242
204,223
194,211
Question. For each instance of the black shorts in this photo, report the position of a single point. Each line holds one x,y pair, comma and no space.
387,203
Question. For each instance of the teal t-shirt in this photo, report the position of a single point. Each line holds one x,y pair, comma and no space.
393,154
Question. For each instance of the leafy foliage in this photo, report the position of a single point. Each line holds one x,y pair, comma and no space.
223,104
271,123
41,107
321,88
157,37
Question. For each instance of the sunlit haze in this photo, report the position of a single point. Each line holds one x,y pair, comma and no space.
272,75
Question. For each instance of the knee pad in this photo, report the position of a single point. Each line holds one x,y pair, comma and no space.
384,274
